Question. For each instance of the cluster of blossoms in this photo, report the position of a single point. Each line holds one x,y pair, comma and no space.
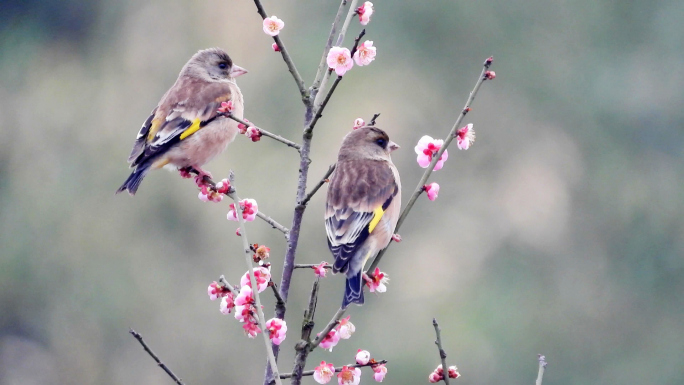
213,194
273,25
340,59
252,132
350,375
244,304
343,330
438,374
249,210
378,282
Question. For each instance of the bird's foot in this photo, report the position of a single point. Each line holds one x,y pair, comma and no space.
201,174
366,277
396,238
185,172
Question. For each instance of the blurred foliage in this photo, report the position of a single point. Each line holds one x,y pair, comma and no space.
560,232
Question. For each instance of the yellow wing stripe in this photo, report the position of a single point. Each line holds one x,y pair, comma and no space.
192,129
154,127
379,212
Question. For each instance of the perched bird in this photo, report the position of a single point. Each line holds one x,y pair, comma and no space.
185,129
362,207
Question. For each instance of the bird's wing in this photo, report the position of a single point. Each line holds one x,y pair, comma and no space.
358,196
186,108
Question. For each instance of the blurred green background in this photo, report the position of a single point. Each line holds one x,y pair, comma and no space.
560,232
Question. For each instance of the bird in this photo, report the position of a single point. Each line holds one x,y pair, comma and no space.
362,205
186,130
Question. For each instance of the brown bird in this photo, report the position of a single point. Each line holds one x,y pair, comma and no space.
185,130
362,208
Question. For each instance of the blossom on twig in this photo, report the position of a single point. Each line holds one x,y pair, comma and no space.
362,357
465,137
275,47
380,371
216,291
490,75
358,122
249,210
261,253
428,147
432,190
273,25
262,276
365,11
378,282
320,269
277,329
346,328
227,304
339,59
242,129
323,373
253,133
365,53
226,107
438,374
349,376
330,340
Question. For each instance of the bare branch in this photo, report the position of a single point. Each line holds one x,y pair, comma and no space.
263,132
250,269
154,356
372,121
279,299
310,266
273,223
323,181
288,60
542,367
435,159
302,346
442,353
337,370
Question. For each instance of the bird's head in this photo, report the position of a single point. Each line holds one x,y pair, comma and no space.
367,143
214,64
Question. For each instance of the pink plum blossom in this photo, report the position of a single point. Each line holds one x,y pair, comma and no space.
339,59
226,107
380,371
244,313
346,328
362,357
378,282
245,297
277,329
453,372
364,54
358,123
217,291
432,190
465,137
275,47
365,11
435,377
261,253
208,195
242,128
349,376
251,329
323,373
273,25
330,340
227,303
426,148
320,270
490,75
253,133
262,276
249,210
237,232
223,186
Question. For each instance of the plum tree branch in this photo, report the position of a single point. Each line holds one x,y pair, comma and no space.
542,367
333,322
322,67
288,60
250,268
419,188
442,353
154,357
263,132
323,181
337,370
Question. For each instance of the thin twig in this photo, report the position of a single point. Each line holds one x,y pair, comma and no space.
337,370
263,132
542,367
252,278
323,181
442,353
435,159
154,356
315,86
372,121
228,286
319,109
273,223
333,322
302,346
279,299
340,40
310,266
288,60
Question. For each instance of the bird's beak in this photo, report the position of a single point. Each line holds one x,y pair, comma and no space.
237,71
393,146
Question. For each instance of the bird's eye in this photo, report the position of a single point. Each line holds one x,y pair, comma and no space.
381,142
222,65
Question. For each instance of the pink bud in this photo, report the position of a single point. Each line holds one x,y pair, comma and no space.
223,186
362,357
275,47
432,190
237,232
277,329
489,61
320,269
358,123
242,128
346,328
253,133
490,75
435,377
227,303
453,372
365,11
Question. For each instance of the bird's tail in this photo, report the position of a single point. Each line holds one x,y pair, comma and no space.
133,182
353,291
